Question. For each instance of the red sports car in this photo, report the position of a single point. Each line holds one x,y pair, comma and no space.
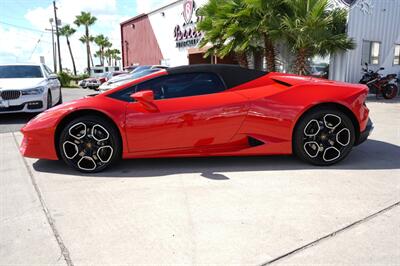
204,110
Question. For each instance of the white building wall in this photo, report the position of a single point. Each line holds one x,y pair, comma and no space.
164,21
379,23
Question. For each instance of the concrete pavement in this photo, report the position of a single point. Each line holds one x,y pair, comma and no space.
26,237
208,210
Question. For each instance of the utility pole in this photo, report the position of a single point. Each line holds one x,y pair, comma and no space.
58,36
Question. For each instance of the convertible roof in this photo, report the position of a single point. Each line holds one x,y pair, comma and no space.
232,75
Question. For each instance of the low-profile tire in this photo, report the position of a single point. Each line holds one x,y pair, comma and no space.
49,100
89,144
60,101
323,137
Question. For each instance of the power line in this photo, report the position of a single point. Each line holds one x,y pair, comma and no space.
34,49
20,27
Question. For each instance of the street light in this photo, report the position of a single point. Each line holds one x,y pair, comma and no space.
53,45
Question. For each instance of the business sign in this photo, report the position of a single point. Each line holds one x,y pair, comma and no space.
348,2
186,34
365,6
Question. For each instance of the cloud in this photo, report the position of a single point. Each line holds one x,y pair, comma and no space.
145,6
23,45
107,23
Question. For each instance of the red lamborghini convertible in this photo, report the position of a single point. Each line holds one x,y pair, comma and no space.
204,110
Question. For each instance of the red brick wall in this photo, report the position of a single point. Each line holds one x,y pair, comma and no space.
139,43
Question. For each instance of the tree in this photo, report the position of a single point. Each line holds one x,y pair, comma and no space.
264,17
311,29
103,43
89,40
224,25
86,19
67,31
116,56
112,54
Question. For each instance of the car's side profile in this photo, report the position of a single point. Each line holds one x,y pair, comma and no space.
28,88
204,110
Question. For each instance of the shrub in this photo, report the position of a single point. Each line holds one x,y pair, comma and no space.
66,78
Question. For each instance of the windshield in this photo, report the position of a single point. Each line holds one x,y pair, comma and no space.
132,76
140,69
13,72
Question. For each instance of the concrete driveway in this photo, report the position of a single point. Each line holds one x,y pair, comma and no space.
244,211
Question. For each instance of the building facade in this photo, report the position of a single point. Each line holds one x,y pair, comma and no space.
375,27
168,36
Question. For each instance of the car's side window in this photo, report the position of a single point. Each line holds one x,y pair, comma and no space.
46,71
183,85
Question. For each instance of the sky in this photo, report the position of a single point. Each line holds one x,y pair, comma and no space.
23,22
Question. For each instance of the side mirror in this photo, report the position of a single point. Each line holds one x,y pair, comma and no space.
366,64
53,76
146,98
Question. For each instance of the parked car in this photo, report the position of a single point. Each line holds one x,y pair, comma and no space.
319,71
110,75
28,88
90,83
122,79
204,110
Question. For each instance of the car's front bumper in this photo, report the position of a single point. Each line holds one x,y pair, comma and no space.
366,133
24,104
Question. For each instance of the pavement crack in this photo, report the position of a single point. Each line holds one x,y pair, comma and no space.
333,234
50,220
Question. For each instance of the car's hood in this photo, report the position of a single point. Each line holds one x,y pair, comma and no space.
24,83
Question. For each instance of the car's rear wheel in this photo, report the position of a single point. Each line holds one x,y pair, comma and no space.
324,137
89,144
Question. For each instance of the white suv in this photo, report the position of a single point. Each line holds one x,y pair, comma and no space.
28,88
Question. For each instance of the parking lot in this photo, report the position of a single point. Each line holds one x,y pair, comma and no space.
225,211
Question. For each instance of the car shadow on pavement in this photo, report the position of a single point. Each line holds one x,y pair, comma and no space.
371,155
16,118
373,99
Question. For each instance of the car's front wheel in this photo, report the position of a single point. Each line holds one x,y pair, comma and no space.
324,137
49,100
89,144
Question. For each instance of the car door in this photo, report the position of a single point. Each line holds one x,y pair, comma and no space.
54,84
194,110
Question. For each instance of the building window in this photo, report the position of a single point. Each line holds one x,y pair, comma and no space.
396,60
371,52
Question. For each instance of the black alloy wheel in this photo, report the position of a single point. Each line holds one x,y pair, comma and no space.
324,137
89,144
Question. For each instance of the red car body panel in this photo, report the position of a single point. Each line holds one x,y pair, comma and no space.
220,124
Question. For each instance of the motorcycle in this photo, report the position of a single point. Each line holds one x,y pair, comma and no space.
379,84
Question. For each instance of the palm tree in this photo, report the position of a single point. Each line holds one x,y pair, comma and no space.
84,39
107,56
86,19
103,42
265,17
311,29
115,55
67,31
224,26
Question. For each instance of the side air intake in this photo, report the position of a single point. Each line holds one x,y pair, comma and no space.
282,82
254,142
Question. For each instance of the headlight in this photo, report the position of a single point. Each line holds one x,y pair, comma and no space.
34,91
